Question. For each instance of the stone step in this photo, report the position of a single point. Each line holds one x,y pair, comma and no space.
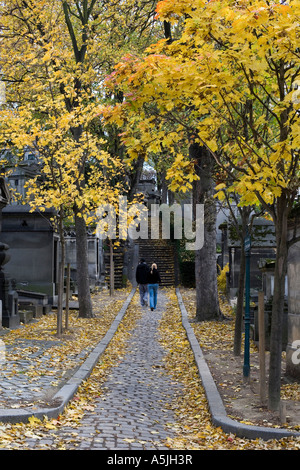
26,316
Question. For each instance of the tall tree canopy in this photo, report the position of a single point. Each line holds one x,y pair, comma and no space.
54,57
229,85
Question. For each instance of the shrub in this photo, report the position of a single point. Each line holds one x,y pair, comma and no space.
222,280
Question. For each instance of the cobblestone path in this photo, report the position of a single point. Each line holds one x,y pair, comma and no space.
132,411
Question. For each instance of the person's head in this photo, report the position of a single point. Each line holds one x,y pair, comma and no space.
142,260
154,266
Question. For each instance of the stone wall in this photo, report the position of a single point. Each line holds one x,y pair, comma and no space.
32,249
292,368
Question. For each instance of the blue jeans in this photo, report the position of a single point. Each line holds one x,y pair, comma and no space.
153,288
143,288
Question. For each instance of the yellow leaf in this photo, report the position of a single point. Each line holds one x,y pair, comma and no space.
34,421
50,426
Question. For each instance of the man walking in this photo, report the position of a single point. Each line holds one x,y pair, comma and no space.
141,278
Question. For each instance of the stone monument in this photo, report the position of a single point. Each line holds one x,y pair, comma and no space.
293,347
8,297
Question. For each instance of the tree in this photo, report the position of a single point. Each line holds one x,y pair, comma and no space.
158,117
53,63
240,222
207,300
56,184
232,72
248,70
49,75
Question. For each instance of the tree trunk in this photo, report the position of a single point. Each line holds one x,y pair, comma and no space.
278,303
206,268
135,176
67,296
60,294
171,197
163,187
82,272
240,306
83,285
207,300
111,269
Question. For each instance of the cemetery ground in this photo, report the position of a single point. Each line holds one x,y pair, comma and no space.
189,425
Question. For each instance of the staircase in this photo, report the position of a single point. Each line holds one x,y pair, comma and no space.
118,268
160,252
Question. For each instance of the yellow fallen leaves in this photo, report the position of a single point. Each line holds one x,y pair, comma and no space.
291,391
128,440
191,406
213,334
16,436
92,388
62,353
193,427
4,436
13,436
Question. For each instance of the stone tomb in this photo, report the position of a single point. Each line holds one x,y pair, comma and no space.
293,351
34,249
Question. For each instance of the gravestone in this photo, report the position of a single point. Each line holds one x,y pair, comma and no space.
8,297
293,347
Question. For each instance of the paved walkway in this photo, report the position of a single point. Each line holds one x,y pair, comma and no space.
18,384
132,412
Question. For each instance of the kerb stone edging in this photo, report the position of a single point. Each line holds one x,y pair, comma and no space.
66,393
217,409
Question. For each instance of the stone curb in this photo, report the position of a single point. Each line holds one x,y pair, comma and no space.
217,409
66,393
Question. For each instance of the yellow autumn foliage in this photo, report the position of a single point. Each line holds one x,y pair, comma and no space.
222,280
230,67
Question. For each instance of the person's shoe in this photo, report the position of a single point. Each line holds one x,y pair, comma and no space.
152,309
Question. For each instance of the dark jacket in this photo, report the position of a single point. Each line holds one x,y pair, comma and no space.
142,273
154,278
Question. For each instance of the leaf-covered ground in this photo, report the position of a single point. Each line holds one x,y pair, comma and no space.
34,351
242,398
194,430
83,335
